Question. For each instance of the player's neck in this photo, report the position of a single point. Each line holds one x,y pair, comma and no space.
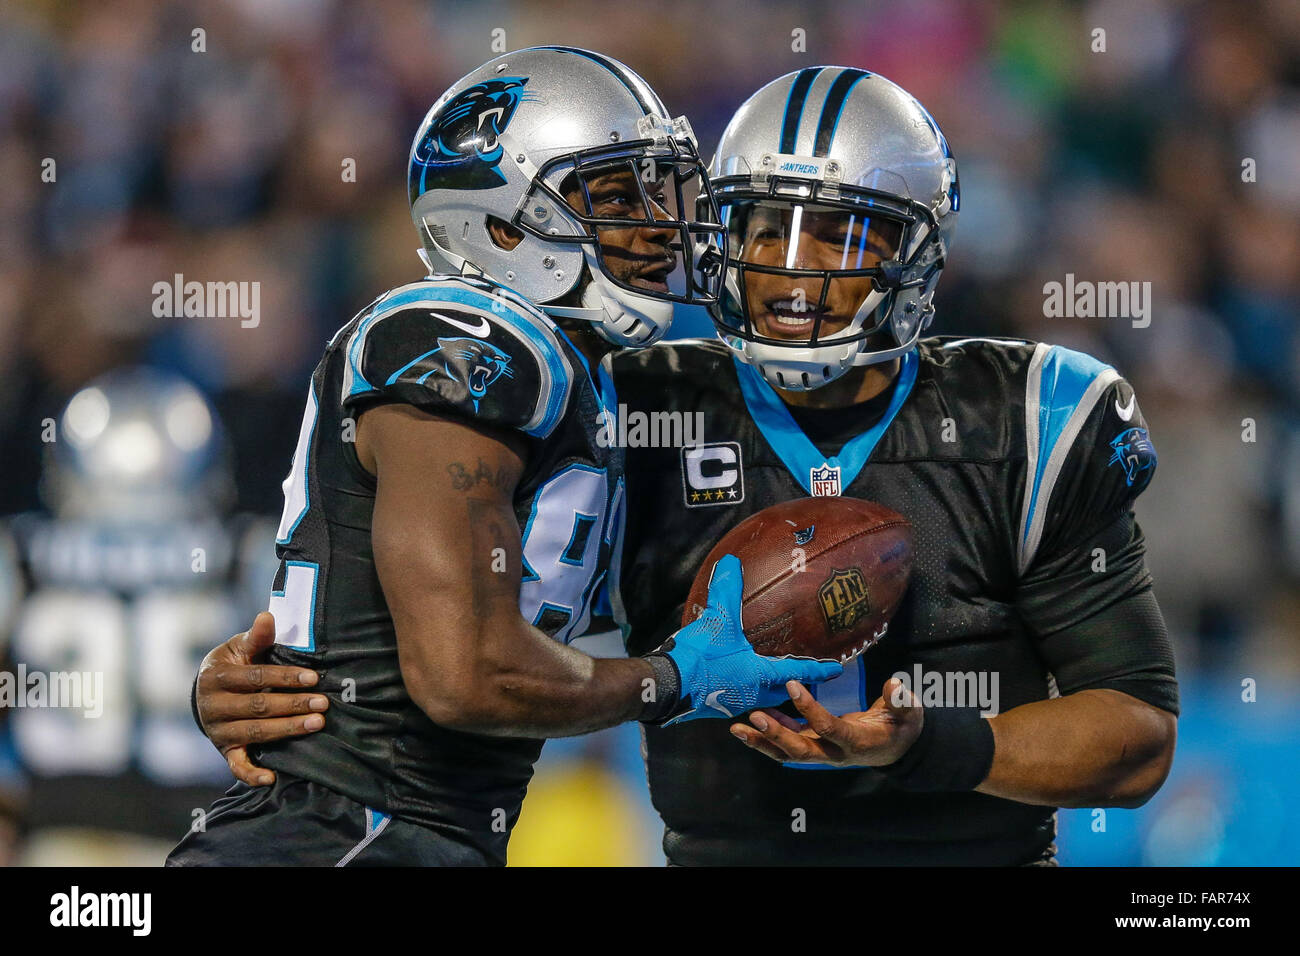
854,386
592,346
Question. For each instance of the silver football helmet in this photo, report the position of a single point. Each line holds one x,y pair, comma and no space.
840,197
576,159
138,445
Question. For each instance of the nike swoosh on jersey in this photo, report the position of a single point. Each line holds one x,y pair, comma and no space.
482,329
712,701
1125,412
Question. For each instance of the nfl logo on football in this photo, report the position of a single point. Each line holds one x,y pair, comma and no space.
825,481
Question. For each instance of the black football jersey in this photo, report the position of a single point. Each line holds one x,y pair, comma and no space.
469,349
106,625
1016,464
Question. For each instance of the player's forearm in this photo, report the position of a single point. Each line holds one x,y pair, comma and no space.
1093,748
589,695
526,685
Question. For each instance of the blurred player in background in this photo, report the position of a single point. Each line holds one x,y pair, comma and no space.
452,508
1017,463
137,558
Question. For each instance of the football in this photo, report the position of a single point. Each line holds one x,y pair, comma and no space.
823,576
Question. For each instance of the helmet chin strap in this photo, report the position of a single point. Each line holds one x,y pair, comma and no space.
438,259
431,268
838,356
621,317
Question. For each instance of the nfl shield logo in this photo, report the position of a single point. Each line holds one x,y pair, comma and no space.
825,481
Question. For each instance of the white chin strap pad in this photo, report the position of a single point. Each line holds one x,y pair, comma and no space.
624,323
624,318
424,257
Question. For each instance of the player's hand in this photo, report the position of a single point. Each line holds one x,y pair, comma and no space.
721,674
873,738
236,709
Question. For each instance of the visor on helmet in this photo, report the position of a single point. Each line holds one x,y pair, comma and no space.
803,270
815,262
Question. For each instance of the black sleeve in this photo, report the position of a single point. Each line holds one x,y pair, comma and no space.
1084,550
1101,569
1086,595
1103,628
477,365
1125,647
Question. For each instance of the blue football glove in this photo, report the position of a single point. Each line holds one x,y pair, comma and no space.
721,675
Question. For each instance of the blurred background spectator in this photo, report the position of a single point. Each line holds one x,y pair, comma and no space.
1172,157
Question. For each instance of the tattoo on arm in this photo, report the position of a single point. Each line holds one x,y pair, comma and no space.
495,560
463,477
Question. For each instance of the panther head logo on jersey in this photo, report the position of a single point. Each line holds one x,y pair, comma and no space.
1133,452
473,363
461,150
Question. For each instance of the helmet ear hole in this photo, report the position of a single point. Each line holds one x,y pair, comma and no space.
503,235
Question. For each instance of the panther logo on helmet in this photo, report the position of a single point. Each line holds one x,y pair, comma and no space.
461,149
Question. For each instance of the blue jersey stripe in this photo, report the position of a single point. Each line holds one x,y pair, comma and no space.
1066,377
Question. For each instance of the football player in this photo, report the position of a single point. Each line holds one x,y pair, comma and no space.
451,507
110,596
1017,463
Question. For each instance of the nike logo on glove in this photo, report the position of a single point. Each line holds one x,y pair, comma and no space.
712,701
